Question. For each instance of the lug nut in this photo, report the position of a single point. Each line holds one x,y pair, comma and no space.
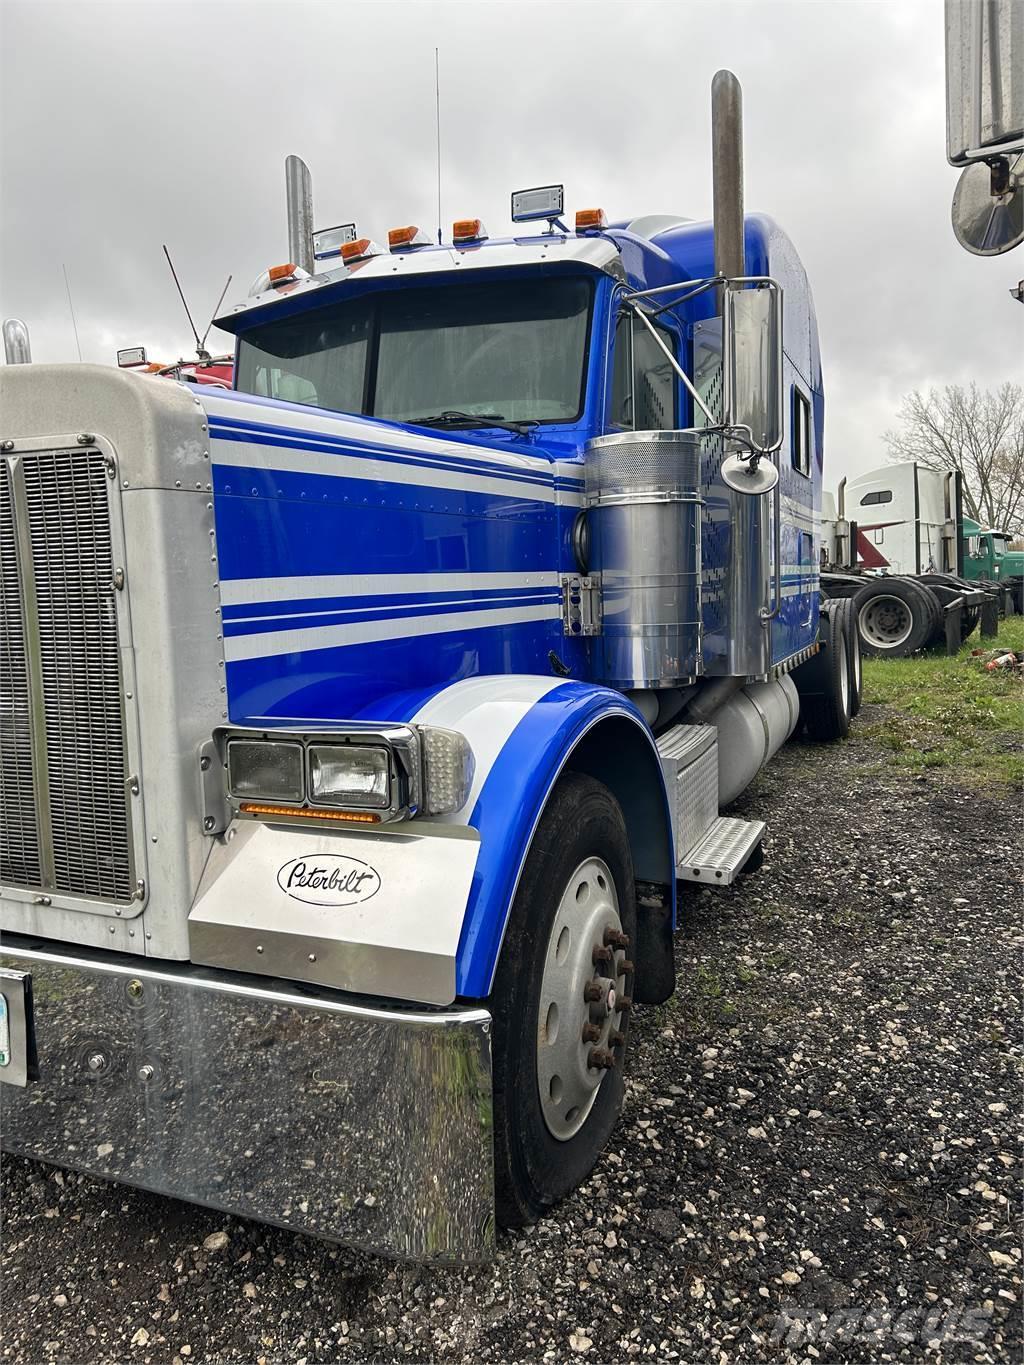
626,968
624,1004
601,956
601,1059
615,938
591,1033
616,1038
593,991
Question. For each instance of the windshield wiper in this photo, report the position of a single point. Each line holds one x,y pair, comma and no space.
451,417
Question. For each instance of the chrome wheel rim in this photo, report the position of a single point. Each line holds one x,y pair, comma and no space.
582,999
885,622
844,682
856,665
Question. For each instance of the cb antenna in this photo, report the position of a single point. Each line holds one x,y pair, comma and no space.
437,124
203,355
216,310
71,309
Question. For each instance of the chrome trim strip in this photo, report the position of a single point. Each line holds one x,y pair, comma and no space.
368,1126
36,693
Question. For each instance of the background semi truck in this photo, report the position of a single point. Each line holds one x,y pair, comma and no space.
360,723
896,544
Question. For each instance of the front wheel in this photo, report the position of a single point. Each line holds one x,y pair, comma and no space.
561,1001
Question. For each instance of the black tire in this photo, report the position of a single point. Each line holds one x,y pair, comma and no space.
933,606
894,617
824,684
969,618
533,1168
842,610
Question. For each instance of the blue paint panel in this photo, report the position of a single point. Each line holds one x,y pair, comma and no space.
271,537
354,682
277,438
234,629
375,606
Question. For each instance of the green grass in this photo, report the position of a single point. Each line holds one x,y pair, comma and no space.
949,713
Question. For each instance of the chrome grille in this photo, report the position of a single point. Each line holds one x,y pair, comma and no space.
60,548
19,831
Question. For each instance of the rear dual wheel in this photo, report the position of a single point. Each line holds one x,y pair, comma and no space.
561,1001
841,608
824,682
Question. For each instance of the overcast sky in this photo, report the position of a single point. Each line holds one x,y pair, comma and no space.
129,123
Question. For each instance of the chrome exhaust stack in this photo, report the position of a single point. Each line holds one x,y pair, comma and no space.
298,185
727,174
17,348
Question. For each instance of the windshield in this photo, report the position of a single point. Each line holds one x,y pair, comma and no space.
514,351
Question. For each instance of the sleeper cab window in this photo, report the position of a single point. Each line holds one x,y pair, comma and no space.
800,452
643,395
876,496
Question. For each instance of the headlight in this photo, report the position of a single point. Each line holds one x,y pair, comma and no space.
271,770
353,775
366,773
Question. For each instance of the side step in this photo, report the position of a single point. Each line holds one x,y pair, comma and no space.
722,853
710,848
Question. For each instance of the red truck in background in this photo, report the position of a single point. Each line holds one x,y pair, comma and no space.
215,370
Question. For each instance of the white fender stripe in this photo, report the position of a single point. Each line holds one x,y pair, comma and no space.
486,710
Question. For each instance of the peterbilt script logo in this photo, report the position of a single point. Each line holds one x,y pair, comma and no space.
329,879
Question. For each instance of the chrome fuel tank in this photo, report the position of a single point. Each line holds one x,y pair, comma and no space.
644,501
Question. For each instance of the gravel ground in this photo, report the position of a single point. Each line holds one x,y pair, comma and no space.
818,1158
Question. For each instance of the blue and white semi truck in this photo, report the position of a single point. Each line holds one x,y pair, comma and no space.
360,723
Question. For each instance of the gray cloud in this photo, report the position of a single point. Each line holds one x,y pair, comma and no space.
125,125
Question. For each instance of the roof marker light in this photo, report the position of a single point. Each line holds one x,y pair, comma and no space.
590,220
468,230
276,276
360,250
327,242
402,238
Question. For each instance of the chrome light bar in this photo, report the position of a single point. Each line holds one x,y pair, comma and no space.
362,773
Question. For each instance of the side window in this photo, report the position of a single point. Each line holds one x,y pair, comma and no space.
643,393
974,547
800,441
879,495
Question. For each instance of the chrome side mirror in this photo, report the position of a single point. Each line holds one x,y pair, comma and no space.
752,346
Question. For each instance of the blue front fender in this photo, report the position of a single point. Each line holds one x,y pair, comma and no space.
525,730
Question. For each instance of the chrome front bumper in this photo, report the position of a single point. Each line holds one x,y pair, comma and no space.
369,1126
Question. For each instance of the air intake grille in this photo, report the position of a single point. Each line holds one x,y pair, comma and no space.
19,832
63,731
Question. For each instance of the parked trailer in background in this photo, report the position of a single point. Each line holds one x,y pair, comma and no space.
360,722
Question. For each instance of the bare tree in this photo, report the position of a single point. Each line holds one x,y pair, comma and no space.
980,432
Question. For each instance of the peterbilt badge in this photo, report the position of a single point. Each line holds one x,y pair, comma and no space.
329,879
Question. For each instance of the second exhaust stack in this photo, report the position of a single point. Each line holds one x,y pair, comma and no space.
727,173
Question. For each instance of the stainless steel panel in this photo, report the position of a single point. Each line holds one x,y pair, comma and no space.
371,1127
63,734
644,515
595,253
689,760
379,913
